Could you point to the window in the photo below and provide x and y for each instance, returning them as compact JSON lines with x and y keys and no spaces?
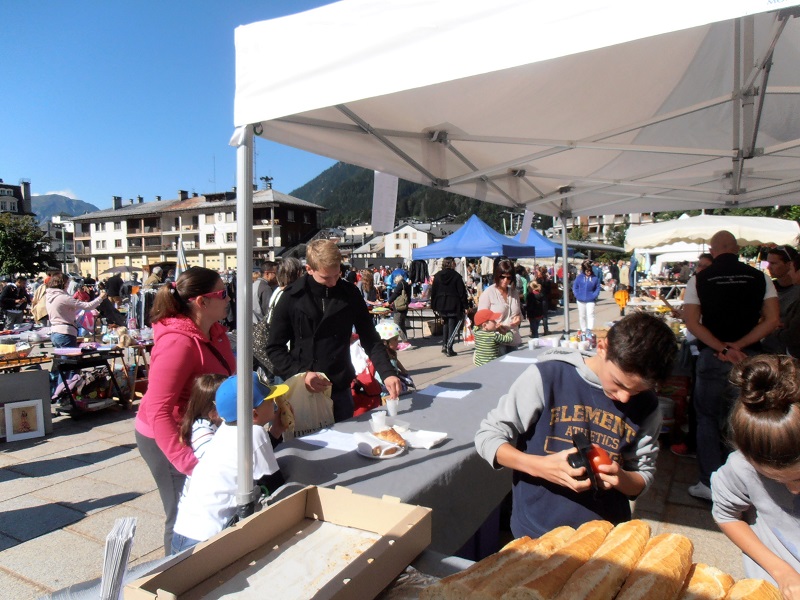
{"x":117,"y":225}
{"x":397,"y":246}
{"x":230,"y":237}
{"x":100,"y":244}
{"x":306,"y":218}
{"x":230,"y":217}
{"x":210,"y":236}
{"x":208,"y":219}
{"x":3,"y":205}
{"x":117,"y":243}
{"x":290,"y":216}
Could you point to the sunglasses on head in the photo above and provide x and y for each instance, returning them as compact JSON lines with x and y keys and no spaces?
{"x":219,"y":295}
{"x":785,"y":252}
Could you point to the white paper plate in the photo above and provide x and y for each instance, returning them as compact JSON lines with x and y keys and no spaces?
{"x":365,"y":442}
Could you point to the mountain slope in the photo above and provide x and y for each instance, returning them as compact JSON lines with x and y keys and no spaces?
{"x":47,"y":205}
{"x":346,"y":191}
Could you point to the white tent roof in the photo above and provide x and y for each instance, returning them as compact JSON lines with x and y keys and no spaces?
{"x":699,"y":229}
{"x":588,"y":107}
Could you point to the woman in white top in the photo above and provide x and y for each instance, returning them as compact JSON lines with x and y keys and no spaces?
{"x":503,"y":297}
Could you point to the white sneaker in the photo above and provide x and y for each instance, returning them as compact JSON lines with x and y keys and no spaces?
{"x":700,"y":490}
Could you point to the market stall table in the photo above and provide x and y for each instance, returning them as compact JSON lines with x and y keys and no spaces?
{"x":461,"y":488}
{"x":77,"y":361}
{"x":673,"y":288}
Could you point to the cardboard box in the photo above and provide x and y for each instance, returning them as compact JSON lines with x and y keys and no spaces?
{"x":432,"y":327}
{"x":404,"y":532}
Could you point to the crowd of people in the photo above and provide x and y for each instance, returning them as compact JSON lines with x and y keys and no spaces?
{"x":745,"y":323}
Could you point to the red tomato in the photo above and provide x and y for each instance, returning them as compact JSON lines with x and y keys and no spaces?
{"x":598,"y":457}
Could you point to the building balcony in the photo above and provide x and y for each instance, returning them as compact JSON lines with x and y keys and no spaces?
{"x":262,"y":223}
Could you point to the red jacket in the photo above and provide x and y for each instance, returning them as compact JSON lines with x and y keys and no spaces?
{"x":180,"y":354}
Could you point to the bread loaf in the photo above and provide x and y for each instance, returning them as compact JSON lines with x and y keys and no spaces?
{"x":705,"y":583}
{"x":550,"y":575}
{"x":461,"y":585}
{"x":604,"y":573}
{"x":661,"y":570}
{"x":754,"y":589}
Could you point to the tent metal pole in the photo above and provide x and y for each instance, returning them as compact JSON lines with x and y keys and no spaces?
{"x":244,"y":320}
{"x":565,"y":214}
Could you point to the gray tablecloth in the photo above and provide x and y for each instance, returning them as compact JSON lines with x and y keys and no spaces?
{"x":460,"y":487}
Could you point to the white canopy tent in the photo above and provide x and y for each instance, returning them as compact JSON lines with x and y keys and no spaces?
{"x":747,"y":230}
{"x":587,"y":107}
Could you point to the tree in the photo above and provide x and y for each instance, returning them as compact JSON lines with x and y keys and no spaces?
{"x":23,"y":246}
{"x":578,"y":233}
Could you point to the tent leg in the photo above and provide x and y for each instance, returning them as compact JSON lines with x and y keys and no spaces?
{"x":564,"y":216}
{"x":244,"y":320}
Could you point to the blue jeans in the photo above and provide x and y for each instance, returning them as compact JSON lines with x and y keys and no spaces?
{"x":181,"y":543}
{"x":713,"y":399}
{"x":63,"y":340}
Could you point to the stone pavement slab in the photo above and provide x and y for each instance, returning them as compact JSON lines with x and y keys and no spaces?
{"x":15,"y":587}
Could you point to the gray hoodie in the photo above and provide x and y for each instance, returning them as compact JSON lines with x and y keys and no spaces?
{"x":569,"y":396}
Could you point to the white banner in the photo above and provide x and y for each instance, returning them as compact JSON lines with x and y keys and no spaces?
{"x":384,"y":202}
{"x":526,"y":226}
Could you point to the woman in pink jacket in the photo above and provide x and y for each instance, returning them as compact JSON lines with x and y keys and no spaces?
{"x":189,"y":341}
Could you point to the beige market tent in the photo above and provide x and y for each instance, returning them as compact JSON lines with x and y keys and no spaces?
{"x":564,"y":108}
{"x":699,"y":229}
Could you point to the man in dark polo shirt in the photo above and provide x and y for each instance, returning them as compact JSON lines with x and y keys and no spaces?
{"x":723,"y":307}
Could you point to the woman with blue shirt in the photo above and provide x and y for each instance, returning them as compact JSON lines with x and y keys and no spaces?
{"x":586,"y":289}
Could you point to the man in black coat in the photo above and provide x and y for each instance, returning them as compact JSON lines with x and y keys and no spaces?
{"x":315,"y":315}
{"x":449,"y":299}
{"x":13,"y":300}
{"x":114,"y":289}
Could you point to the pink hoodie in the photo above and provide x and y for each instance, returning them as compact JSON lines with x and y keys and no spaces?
{"x":181,"y":353}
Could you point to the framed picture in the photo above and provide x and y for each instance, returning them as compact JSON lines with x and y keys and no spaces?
{"x":24,"y":420}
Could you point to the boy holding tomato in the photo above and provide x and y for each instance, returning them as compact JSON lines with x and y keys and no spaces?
{"x":608,"y":398}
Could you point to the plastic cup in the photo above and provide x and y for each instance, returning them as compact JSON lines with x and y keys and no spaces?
{"x":392,"y":406}
{"x":379,"y":419}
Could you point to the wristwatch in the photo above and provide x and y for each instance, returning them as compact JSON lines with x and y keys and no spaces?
{"x":724,"y":351}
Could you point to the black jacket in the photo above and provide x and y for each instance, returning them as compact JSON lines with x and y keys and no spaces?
{"x":9,"y":296}
{"x":322,"y":342}
{"x":114,"y":285}
{"x":448,"y":293}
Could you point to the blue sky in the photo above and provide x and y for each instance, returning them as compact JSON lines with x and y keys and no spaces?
{"x":105,"y":99}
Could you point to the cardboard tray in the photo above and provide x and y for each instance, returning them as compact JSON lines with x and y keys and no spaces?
{"x":405,"y":532}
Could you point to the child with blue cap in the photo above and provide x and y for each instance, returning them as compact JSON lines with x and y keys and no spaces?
{"x":210,"y":501}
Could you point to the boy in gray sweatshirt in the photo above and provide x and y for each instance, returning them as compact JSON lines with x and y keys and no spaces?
{"x":606,"y":397}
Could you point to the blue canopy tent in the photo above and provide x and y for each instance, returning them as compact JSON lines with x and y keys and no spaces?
{"x":545,"y":248}
{"x":475,"y":238}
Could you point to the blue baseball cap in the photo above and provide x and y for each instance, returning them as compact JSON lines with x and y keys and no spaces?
{"x":225,"y":398}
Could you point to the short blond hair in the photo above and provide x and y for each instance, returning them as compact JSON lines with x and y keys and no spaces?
{"x":323,"y":254}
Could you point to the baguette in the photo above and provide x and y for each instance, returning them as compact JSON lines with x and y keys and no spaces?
{"x":460,"y":585}
{"x":661,"y":570}
{"x":551,"y":575}
{"x":602,"y":576}
{"x":706,"y":583}
{"x":753,"y":589}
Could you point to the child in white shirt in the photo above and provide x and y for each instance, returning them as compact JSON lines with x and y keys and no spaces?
{"x":210,"y":501}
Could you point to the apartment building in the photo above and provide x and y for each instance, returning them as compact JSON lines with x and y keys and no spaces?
{"x":139,"y":234}
{"x":16,"y":199}
{"x":598,"y":226}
